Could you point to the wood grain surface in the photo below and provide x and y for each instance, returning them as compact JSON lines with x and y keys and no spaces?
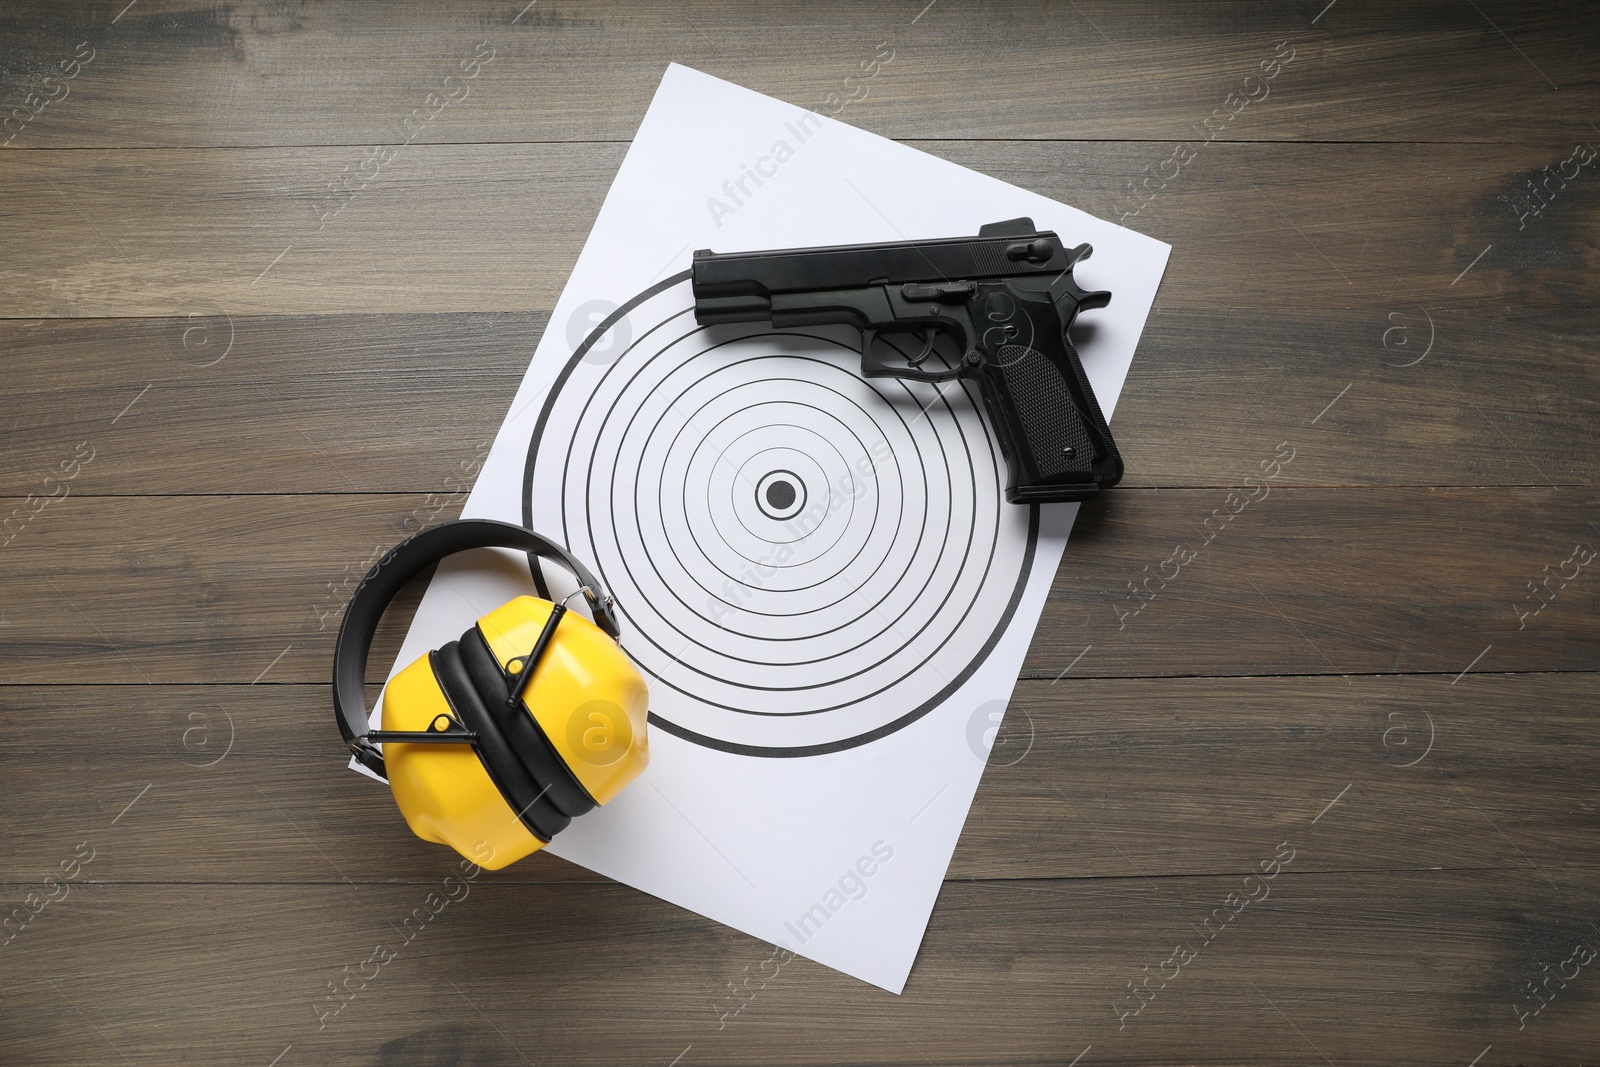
{"x":1362,"y":668}
{"x":494,"y":227}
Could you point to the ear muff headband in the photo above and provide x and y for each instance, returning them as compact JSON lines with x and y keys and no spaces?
{"x":404,"y":562}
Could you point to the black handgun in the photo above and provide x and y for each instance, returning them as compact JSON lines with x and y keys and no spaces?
{"x":1006,"y":297}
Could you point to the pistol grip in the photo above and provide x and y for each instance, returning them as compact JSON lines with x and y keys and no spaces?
{"x":1056,"y":442}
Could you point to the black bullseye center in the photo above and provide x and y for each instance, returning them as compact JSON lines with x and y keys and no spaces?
{"x":780,"y":494}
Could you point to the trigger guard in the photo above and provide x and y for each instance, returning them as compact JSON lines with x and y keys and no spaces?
{"x":874,"y":367}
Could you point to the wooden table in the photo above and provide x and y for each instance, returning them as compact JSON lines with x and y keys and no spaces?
{"x":245,"y":351}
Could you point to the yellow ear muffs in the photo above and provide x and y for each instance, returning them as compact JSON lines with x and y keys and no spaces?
{"x":494,"y":743}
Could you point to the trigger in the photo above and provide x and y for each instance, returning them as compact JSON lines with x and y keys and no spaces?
{"x":928,"y":337}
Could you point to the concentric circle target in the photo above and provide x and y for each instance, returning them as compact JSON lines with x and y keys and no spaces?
{"x":804,"y":560}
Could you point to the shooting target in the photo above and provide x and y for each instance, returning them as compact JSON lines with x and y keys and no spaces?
{"x":804,"y":560}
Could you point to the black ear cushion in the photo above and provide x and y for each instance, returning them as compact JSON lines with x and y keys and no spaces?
{"x":538,"y":813}
{"x":544,"y":765}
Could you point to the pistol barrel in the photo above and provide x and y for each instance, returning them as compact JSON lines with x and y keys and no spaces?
{"x":741,"y":307}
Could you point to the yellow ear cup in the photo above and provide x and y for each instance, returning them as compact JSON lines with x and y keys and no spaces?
{"x":443,"y":791}
{"x":586,"y":694}
{"x":586,"y":697}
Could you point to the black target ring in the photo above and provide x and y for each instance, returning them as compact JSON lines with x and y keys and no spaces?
{"x":978,"y":551}
{"x":780,"y":494}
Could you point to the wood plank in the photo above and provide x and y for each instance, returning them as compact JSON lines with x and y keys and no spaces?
{"x":1091,"y":778}
{"x":497,"y":227}
{"x":111,"y":238}
{"x":216,"y":404}
{"x":409,"y":403}
{"x":1302,"y":581}
{"x":1318,"y":581}
{"x":1388,"y":396}
{"x":570,"y":71}
{"x":1098,"y":777}
{"x":1426,"y":966}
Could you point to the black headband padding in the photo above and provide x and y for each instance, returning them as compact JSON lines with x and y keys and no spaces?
{"x":404,"y":562}
{"x":527,"y":738}
{"x":527,"y":798}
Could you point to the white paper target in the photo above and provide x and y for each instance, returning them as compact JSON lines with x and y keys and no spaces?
{"x":804,"y":560}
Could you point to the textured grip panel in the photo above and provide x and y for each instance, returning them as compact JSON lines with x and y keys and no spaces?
{"x":1047,"y":416}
